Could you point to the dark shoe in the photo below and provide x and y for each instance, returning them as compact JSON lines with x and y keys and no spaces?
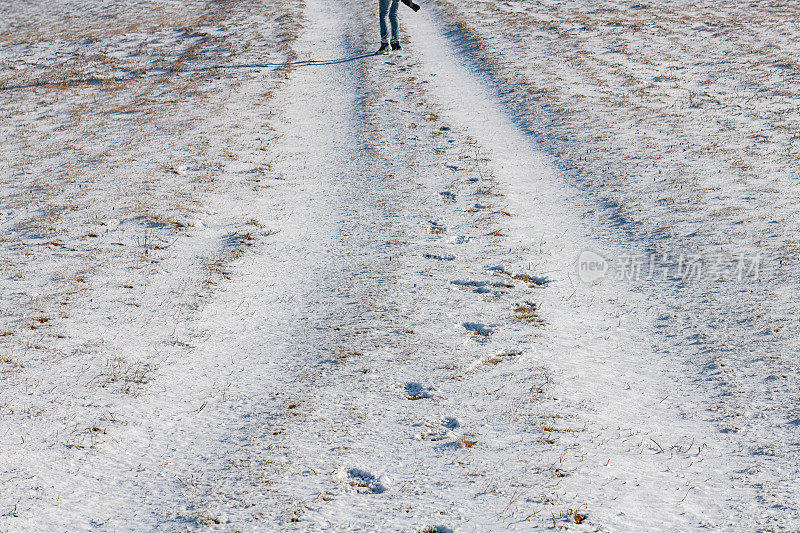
{"x":396,"y":45}
{"x":384,"y":49}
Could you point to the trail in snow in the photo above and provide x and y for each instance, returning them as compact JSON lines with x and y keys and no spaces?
{"x":602,"y":351}
{"x":410,"y":346}
{"x":699,"y":181}
{"x":122,"y":219}
{"x":400,"y":390}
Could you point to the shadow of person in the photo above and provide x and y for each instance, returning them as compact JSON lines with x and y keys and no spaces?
{"x":99,"y":81}
{"x":293,"y":64}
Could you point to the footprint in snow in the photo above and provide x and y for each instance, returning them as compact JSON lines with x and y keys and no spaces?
{"x":415,"y":391}
{"x":532,"y":281}
{"x":451,"y":423}
{"x":362,"y":481}
{"x":436,"y":257}
{"x":481,"y":287}
{"x":479,"y":329}
{"x":461,"y":443}
{"x":435,"y":529}
{"x":437,"y":227}
{"x":492,"y":360}
{"x":448,"y":196}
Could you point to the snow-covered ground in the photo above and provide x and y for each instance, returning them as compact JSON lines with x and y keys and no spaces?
{"x":256,"y":278}
{"x":681,"y":118}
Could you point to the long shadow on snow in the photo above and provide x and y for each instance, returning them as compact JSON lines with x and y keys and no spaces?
{"x":101,"y":81}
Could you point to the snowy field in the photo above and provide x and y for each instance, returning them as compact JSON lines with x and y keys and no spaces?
{"x":539,"y":270}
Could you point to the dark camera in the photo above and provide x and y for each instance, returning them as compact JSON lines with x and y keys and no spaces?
{"x":411,"y":4}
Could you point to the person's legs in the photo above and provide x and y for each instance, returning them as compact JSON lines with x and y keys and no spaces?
{"x":383,"y":10}
{"x":393,"y":21}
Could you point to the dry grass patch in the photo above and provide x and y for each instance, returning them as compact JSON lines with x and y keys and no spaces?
{"x":528,"y":313}
{"x":466,"y":443}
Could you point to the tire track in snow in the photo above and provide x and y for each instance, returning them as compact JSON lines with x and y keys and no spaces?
{"x":600,"y":349}
{"x":735,"y":335}
{"x":392,"y":428}
{"x":97,"y":451}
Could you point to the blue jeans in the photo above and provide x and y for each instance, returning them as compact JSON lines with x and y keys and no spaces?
{"x":389,"y":7}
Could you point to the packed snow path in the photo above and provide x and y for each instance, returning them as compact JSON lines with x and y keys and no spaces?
{"x":410,"y":347}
